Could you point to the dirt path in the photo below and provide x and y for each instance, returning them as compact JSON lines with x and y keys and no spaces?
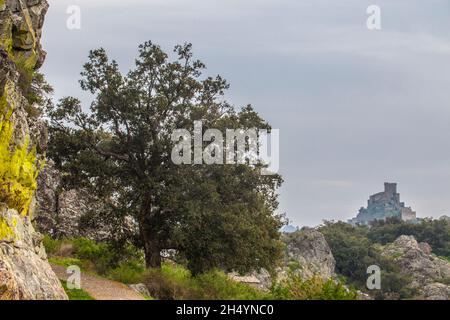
{"x":99,"y":288}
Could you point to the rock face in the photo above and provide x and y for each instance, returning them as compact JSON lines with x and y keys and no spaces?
{"x":73,"y":213}
{"x":383,"y":205}
{"x":24,"y":269}
{"x":309,"y":250}
{"x":428,"y":272}
{"x":60,"y":212}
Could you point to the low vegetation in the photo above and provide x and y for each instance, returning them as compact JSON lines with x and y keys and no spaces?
{"x":175,"y":282}
{"x":316,"y":288}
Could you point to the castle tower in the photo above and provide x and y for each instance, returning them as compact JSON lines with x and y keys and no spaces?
{"x":390,"y":188}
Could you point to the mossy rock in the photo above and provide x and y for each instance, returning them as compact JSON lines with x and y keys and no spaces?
{"x":22,"y":37}
{"x":6,"y":41}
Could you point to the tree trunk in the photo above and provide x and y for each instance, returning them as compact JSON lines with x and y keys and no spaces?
{"x":152,"y":253}
{"x":152,"y":246}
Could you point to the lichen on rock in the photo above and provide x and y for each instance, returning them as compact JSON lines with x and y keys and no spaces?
{"x":18,"y":167}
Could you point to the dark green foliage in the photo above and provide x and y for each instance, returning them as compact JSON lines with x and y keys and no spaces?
{"x":434,"y":232}
{"x":350,"y":248}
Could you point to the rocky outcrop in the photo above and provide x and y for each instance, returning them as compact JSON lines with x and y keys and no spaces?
{"x":306,"y":251}
{"x":309,"y":250}
{"x":141,"y":289}
{"x":24,"y":270}
{"x":429,"y":273}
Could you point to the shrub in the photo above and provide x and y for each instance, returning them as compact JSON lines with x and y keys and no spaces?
{"x":216,"y":285}
{"x":98,"y":253}
{"x":51,"y":245}
{"x":316,"y":288}
{"x":127,"y":272}
{"x":174,"y":282}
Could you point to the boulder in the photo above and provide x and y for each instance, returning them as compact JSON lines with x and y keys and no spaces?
{"x":141,"y":289}
{"x":436,"y":291}
{"x":306,"y":250}
{"x":309,"y":250}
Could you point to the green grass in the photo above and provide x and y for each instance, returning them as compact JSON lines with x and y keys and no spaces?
{"x":76,"y":294}
{"x":129,"y":272}
{"x":174,"y":282}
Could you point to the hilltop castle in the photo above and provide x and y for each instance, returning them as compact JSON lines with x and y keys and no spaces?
{"x":383,"y":205}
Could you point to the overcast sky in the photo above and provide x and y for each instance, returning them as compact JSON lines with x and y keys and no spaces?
{"x":355,"y":108}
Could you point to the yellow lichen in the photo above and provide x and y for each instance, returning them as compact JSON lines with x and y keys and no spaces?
{"x":18,"y":166}
{"x":5,"y":230}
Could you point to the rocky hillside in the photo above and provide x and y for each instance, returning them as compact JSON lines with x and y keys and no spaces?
{"x":430,"y":274}
{"x":24,"y":270}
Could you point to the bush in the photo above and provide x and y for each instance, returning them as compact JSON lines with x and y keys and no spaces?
{"x":216,"y":285}
{"x":129,"y":272}
{"x":316,"y":288}
{"x":51,"y":245}
{"x":174,"y":282}
{"x":98,"y":253}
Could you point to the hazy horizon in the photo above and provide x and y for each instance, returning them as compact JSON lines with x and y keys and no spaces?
{"x":355,"y":108}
